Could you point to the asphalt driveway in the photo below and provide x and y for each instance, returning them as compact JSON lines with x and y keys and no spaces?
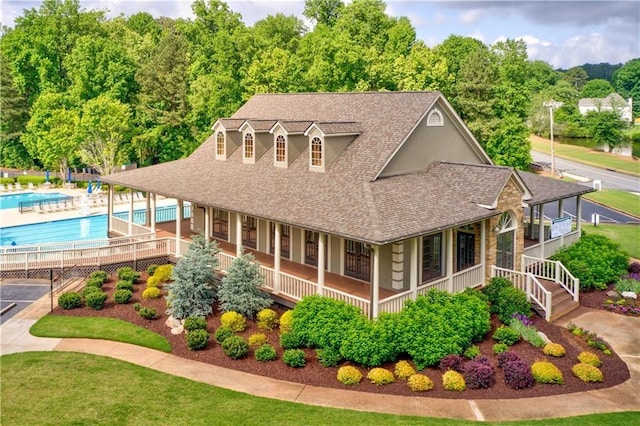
{"x":22,"y":293}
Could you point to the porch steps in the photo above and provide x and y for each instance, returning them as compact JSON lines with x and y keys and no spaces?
{"x":561,"y":302}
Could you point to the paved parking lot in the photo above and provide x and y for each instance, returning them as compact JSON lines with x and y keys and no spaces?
{"x":22,"y":293}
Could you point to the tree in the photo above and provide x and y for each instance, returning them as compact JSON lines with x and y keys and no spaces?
{"x":626,"y":81}
{"x":576,"y":76}
{"x":279,"y":31}
{"x":325,"y":12}
{"x":193,"y":290}
{"x":14,"y":114}
{"x":273,"y":71}
{"x":422,"y":69}
{"x":508,"y":145}
{"x":240,"y":291}
{"x":597,"y":88}
{"x":606,"y":127}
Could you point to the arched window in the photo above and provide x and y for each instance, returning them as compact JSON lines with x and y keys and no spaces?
{"x":316,"y":152}
{"x":281,"y":149}
{"x":220,"y":144}
{"x":435,"y":119}
{"x":506,"y":241}
{"x":248,"y":146}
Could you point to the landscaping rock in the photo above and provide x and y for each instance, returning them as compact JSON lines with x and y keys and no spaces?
{"x":177,"y":330}
{"x":544,"y":337}
{"x":629,"y":295}
{"x":173,"y":322}
{"x":612,"y":294}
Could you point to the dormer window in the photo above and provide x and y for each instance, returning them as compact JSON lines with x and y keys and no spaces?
{"x":281,"y":150}
{"x":317,"y":159}
{"x":249,"y":148}
{"x":435,"y":119}
{"x":220,"y":145}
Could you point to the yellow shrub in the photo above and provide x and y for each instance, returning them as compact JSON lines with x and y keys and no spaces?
{"x":589,"y":358}
{"x":153,"y":282}
{"x":587,"y":372}
{"x":380,"y":376}
{"x":420,"y":383}
{"x":452,"y":380}
{"x":403,"y":370}
{"x":234,"y":321}
{"x":546,"y":372}
{"x":163,"y":273}
{"x":257,"y":339}
{"x":286,"y":322}
{"x":151,"y":293}
{"x":349,"y":375}
{"x":554,"y":349}
{"x":267,"y":319}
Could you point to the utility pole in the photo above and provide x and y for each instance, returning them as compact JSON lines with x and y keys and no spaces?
{"x":552,"y":104}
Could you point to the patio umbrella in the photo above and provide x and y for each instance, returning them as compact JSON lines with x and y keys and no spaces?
{"x":69,"y":174}
{"x":46,"y":176}
{"x":89,"y":189}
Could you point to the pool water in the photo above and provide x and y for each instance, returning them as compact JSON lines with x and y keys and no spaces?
{"x":12,"y":201}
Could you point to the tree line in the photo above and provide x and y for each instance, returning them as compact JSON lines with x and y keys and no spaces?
{"x":78,"y":89}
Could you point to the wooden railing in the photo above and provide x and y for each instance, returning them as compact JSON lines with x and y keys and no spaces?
{"x":528,"y":283}
{"x":552,"y":270}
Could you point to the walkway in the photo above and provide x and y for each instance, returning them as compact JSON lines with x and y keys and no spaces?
{"x":622,"y":333}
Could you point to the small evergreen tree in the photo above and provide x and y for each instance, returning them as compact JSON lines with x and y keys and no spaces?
{"x":239,"y":290}
{"x":193,"y":290}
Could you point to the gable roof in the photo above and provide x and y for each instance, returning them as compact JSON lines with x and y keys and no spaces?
{"x":545,"y":189}
{"x":608,"y":101}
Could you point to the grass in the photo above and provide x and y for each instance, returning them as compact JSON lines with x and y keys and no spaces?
{"x":47,"y":388}
{"x":627,"y":235}
{"x":588,"y":156}
{"x":620,"y":200}
{"x":99,"y":328}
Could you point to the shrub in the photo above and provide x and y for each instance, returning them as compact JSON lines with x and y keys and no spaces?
{"x":294,"y":358}
{"x":95,"y":300}
{"x":222,"y":334}
{"x":472,"y":352}
{"x":151,"y":293}
{"x":239,"y":290}
{"x":328,"y":357}
{"x":286,"y":322}
{"x":69,"y":300}
{"x":589,"y":358}
{"x":554,"y":349}
{"x":478,"y":374}
{"x":452,"y":362}
{"x":197,"y":339}
{"x":419,"y":383}
{"x":508,"y":356}
{"x":492,"y":289}
{"x":546,"y":372}
{"x":136,"y":307}
{"x":634,"y":268}
{"x":506,"y":335}
{"x":265,"y":353}
{"x":257,"y":339}
{"x":127,"y":273}
{"x":91,"y":289}
{"x":153,"y":282}
{"x":349,"y":375}
{"x":517,"y":375}
{"x":291,"y":340}
{"x":234,"y":321}
{"x":499,"y":348}
{"x":403,"y":370}
{"x":587,"y":372}
{"x":511,"y":301}
{"x":122,"y":296}
{"x":151,"y":269}
{"x":453,"y":381}
{"x":267,"y":319}
{"x":148,"y":313}
{"x":367,"y":342}
{"x":528,"y":333}
{"x":195,"y":323}
{"x":235,"y":347}
{"x":124,"y":285}
{"x":628,"y":284}
{"x":94,"y":282}
{"x":163,"y":273}
{"x":100,"y":275}
{"x":380,"y":376}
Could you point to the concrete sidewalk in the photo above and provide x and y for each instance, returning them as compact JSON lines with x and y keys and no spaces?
{"x":622,"y":333}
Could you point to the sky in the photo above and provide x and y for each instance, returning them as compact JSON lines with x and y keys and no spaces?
{"x":562,"y":33}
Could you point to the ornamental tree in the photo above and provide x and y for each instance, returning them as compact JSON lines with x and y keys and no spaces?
{"x":240,"y":291}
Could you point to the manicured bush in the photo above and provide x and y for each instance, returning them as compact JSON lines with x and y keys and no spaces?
{"x":151,"y":293}
{"x":380,"y":376}
{"x":197,"y":339}
{"x":265,"y":353}
{"x":148,"y":313}
{"x":94,"y":282}
{"x":506,"y":335}
{"x":195,"y":323}
{"x":127,"y":273}
{"x":517,"y":374}
{"x":100,"y":275}
{"x":367,"y":342}
{"x":492,"y":290}
{"x":240,"y":289}
{"x":452,"y":362}
{"x":91,"y":289}
{"x":222,"y":334}
{"x":587,"y":372}
{"x":286,"y":322}
{"x":122,"y":296}
{"x":546,"y":372}
{"x":595,"y":260}
{"x":589,"y":358}
{"x":70,"y":300}
{"x":471,"y":352}
{"x":499,"y":348}
{"x":349,"y":375}
{"x":234,"y":321}
{"x":153,"y":282}
{"x":328,"y":357}
{"x":554,"y":349}
{"x":257,"y":339}
{"x":235,"y":347}
{"x":528,"y":333}
{"x":124,"y":285}
{"x":294,"y":358}
{"x":267,"y":319}
{"x":291,"y":340}
{"x":95,"y":300}
{"x":403,"y":370}
{"x":136,"y":307}
{"x":163,"y":273}
{"x":511,"y":301}
{"x":151,"y":269}
{"x":508,"y":356}
{"x":478,"y":374}
{"x":453,"y":381}
{"x":420,"y":383}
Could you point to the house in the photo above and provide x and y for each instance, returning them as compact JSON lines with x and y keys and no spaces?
{"x":613,"y":102}
{"x":370,"y":198}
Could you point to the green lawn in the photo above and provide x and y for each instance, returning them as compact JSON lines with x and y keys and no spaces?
{"x":51,"y":388}
{"x":620,"y":200}
{"x":628,"y":236}
{"x":99,"y":328}
{"x":588,"y":156}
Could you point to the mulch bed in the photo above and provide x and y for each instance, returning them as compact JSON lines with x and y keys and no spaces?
{"x":614,"y":369}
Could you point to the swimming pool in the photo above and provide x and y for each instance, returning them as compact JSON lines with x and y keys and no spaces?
{"x":12,"y":201}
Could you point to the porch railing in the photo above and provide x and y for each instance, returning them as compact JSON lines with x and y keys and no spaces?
{"x":552,"y":270}
{"x":528,"y":283}
{"x":359,"y":302}
{"x":468,"y":278}
{"x":552,"y":246}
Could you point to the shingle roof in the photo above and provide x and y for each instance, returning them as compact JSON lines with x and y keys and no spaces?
{"x":545,"y":189}
{"x":261,"y":125}
{"x":337,"y":128}
{"x":231,"y":124}
{"x":608,"y":101}
{"x":293,"y":127}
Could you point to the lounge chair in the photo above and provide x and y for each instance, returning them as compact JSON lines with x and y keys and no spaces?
{"x":3,"y":188}
{"x":38,"y":208}
{"x":18,"y":186}
{"x":10,"y":187}
{"x":30,"y":186}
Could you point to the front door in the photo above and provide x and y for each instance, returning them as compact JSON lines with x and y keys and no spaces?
{"x":357,"y":261}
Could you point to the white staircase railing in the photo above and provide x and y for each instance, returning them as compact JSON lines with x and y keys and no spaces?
{"x":528,"y":283}
{"x":552,"y":270}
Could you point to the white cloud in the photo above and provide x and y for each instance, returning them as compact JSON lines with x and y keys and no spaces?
{"x":470,"y":16}
{"x":440,"y":18}
{"x":478,"y":36}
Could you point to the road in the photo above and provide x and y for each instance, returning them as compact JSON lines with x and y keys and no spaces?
{"x":610,"y":180}
{"x":607,"y":215}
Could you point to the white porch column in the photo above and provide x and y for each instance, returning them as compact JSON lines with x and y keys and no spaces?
{"x":375,"y":281}
{"x":276,"y":258}
{"x":179,"y":211}
{"x":153,"y":208}
{"x":321,"y":262}
{"x":579,"y":213}
{"x":130,"y":228}
{"x":541,"y":229}
{"x":449,"y":259}
{"x":207,"y":222}
{"x":483,"y":247}
{"x":413,"y":267}
{"x":109,"y":209}
{"x":532,"y":216}
{"x":238,"y":234}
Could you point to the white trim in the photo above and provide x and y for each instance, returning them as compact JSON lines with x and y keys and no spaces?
{"x":245,"y":159}
{"x":222,"y":156}
{"x":431,"y":121}
{"x":277,"y":163}
{"x":313,"y":167}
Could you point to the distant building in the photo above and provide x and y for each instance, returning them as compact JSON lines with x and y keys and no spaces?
{"x":613,"y":102}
